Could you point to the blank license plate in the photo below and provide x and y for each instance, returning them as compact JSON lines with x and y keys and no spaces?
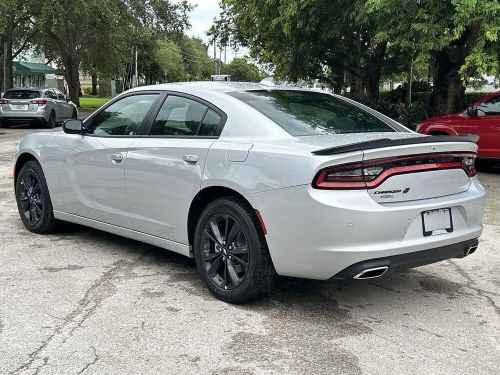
{"x":436,"y":222}
{"x":20,"y":107}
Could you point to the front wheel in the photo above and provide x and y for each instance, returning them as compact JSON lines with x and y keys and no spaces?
{"x":231,"y":252}
{"x":33,"y":199}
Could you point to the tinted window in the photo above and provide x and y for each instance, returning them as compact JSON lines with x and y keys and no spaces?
{"x":60,"y":95}
{"x":50,"y":94}
{"x":309,"y":113}
{"x":122,"y":117}
{"x":490,"y":107}
{"x":178,"y":116}
{"x":210,"y":124}
{"x":21,"y":94}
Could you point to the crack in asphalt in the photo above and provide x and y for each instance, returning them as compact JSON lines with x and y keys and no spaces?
{"x":93,"y":362}
{"x":480,"y":292}
{"x":99,"y":291}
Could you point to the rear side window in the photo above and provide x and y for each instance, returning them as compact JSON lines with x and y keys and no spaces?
{"x":22,"y":94}
{"x":303,"y":113}
{"x":210,"y":124}
{"x":178,"y":116}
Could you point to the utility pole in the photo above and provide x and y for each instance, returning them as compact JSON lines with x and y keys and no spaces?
{"x":4,"y":83}
{"x":215,"y":56}
{"x":136,"y":74}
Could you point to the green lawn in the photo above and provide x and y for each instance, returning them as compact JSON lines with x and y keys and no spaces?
{"x":87,"y":102}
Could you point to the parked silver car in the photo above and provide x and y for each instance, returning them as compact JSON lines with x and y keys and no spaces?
{"x":252,"y":181}
{"x":36,"y":106}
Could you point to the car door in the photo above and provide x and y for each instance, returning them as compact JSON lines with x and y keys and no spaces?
{"x":65,"y":109}
{"x":164,"y":169}
{"x":92,"y":165}
{"x":487,"y":120}
{"x":52,"y":99}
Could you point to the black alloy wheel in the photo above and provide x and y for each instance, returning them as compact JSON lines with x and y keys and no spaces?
{"x":231,"y":251}
{"x":225,"y":252}
{"x":33,"y":199}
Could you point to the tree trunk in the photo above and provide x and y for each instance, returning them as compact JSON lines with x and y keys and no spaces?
{"x":94,"y":84}
{"x":448,"y":87}
{"x":449,"y":90}
{"x":71,"y":67}
{"x":375,"y":70}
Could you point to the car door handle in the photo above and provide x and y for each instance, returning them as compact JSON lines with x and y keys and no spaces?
{"x":116,"y":158}
{"x":190,"y":158}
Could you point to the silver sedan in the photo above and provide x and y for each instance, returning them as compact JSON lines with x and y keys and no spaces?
{"x":41,"y":106}
{"x":255,"y":181}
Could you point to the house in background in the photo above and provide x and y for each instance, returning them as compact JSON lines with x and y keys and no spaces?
{"x":32,"y":71}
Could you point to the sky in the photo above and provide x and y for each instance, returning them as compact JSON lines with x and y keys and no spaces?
{"x":201,"y":19}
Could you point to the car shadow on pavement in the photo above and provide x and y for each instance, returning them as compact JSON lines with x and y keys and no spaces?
{"x":488,"y":166}
{"x":300,"y":297}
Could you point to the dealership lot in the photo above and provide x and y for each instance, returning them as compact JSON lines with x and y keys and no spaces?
{"x":84,"y":301}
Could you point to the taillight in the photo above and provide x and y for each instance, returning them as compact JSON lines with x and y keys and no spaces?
{"x":371,"y":173}
{"x":40,"y":102}
{"x":4,"y":101}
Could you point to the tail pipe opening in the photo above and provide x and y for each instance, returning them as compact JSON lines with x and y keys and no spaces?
{"x":371,"y":273}
{"x":471,"y":250}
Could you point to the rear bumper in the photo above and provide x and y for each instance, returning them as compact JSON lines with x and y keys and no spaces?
{"x":319,"y":233}
{"x":23,"y":116}
{"x":410,"y":260}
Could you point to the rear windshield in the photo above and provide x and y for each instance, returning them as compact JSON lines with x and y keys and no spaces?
{"x":309,"y":113}
{"x":22,"y":94}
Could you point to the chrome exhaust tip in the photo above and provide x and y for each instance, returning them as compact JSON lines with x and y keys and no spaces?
{"x":471,"y":250}
{"x":371,"y":273}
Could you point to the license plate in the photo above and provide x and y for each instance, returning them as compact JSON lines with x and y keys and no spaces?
{"x":20,"y":107}
{"x":435,"y":222}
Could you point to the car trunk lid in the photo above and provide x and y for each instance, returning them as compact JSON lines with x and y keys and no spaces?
{"x":405,"y":169}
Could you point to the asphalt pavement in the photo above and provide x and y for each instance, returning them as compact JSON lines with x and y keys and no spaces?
{"x":81,"y":301}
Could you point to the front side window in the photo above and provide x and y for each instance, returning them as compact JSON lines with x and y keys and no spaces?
{"x":122,"y":117}
{"x":490,"y":107}
{"x":178,"y":116}
{"x":303,"y":113}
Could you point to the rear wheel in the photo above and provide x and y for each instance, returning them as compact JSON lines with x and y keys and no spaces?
{"x":33,"y":199}
{"x":74,"y":115}
{"x":231,"y":253}
{"x":51,"y":123}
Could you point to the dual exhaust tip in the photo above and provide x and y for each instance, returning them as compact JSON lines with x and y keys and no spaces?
{"x":371,"y":273}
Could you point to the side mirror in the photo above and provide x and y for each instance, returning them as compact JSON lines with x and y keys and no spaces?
{"x":73,"y":126}
{"x":471,"y":111}
{"x":66,"y":97}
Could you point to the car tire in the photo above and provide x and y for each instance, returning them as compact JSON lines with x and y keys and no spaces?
{"x":74,"y":115}
{"x":51,"y":123}
{"x":223,"y":267}
{"x":33,"y":199}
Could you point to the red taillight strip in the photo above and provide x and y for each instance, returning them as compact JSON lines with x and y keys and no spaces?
{"x":362,"y":182}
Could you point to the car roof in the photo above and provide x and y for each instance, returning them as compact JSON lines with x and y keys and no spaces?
{"x":26,"y":89}
{"x":216,"y":87}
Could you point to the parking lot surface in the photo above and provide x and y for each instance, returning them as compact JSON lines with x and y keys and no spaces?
{"x":81,"y":301}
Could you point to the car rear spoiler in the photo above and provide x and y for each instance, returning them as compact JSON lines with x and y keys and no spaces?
{"x":386,"y":142}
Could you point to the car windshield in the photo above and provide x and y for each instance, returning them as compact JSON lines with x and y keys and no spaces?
{"x":303,"y":113}
{"x":22,"y":94}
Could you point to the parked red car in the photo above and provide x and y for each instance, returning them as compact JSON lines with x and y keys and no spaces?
{"x":482,"y":119}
